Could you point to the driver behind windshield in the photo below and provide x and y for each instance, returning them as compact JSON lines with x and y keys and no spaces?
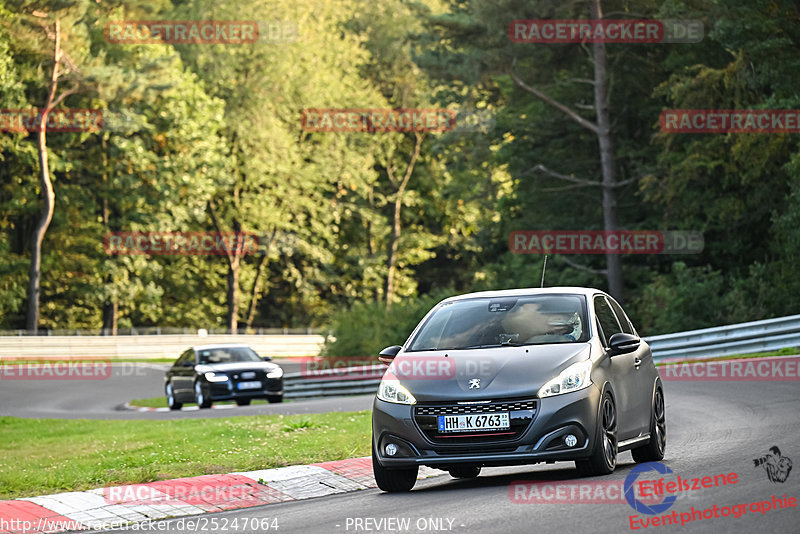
{"x":527,"y":323}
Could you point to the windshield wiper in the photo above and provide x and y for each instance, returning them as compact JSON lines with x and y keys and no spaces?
{"x":507,"y":343}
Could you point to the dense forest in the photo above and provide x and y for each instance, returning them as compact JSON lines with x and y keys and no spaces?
{"x":363,"y":230}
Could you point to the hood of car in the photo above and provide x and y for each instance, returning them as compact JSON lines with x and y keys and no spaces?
{"x":235,"y":367}
{"x":481,"y":374}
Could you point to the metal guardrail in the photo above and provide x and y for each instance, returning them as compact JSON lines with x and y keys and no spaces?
{"x":357,"y":380}
{"x":151,"y":347}
{"x":165,"y":331}
{"x":742,"y":338}
{"x":754,"y":336}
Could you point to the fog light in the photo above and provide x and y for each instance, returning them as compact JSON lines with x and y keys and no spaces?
{"x":570,"y":440}
{"x":391,"y":449}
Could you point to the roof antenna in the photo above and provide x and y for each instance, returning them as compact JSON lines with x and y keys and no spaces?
{"x":544,"y":267}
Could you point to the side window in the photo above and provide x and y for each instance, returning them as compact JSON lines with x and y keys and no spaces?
{"x":624,"y":322}
{"x":186,"y":356}
{"x":608,"y":322}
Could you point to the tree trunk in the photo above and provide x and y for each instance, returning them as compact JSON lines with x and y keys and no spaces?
{"x":602,"y":129}
{"x":49,"y":197}
{"x":233,"y":294}
{"x":256,"y":290}
{"x":607,"y":164}
{"x":110,"y":314}
{"x":111,"y":306}
{"x":391,"y":260}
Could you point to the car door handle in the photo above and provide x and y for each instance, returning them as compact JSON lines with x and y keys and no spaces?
{"x":637,"y":362}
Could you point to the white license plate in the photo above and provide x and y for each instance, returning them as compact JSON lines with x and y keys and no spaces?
{"x":478,"y":421}
{"x":249,"y":385}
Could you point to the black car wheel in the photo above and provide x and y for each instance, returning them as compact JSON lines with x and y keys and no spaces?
{"x":654,"y":450}
{"x":242,"y":402}
{"x":171,"y":402}
{"x":393,"y":480}
{"x":275,"y":398}
{"x":465,"y":471}
{"x":201,"y":396}
{"x":604,"y":455}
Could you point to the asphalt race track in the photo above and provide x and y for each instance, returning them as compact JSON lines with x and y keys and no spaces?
{"x":713,"y":428}
{"x":103,"y":399}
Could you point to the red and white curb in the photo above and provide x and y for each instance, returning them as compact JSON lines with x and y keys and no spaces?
{"x":131,"y":408}
{"x":116,"y":506}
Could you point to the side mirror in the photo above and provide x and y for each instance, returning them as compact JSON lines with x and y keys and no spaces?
{"x":621,"y":343}
{"x":387,"y":355}
{"x":266,"y":358}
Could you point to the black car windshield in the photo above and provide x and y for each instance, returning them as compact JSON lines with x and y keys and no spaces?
{"x":227,"y":355}
{"x":495,"y":322}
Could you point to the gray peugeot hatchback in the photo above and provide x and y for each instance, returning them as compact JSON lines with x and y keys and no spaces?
{"x":517,"y":377}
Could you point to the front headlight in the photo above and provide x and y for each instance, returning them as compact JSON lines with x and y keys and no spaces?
{"x":573,"y":378}
{"x":392,"y":391}
{"x":275,"y":373}
{"x":213,"y":377}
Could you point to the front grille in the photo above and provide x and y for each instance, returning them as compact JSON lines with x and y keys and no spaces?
{"x":521,"y":414}
{"x":465,"y":409}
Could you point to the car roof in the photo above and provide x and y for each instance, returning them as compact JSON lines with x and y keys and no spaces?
{"x":586,"y":291}
{"x":221,"y":346}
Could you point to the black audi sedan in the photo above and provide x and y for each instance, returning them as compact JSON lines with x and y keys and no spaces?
{"x":209,"y":373}
{"x":517,"y":377}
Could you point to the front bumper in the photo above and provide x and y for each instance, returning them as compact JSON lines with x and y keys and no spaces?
{"x":543,"y":440}
{"x":271,"y":387}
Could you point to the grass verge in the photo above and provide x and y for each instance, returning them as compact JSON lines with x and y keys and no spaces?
{"x":42,"y":456}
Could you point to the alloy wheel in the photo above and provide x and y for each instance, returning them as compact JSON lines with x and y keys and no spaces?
{"x":609,"y":432}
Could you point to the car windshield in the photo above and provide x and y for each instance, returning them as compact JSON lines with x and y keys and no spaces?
{"x":227,"y":355}
{"x":496,"y":322}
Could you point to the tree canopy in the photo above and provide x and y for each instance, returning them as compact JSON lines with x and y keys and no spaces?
{"x":208,"y":137}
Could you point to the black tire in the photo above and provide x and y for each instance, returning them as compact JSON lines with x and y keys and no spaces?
{"x":604,"y":454}
{"x":243,"y":402}
{"x":393,"y":480}
{"x":465,"y":471}
{"x":275,"y":398}
{"x":201,"y":396}
{"x":654,"y":450}
{"x":171,"y":403}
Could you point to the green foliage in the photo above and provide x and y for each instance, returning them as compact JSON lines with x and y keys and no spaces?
{"x":368,"y":327}
{"x":220,"y":124}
